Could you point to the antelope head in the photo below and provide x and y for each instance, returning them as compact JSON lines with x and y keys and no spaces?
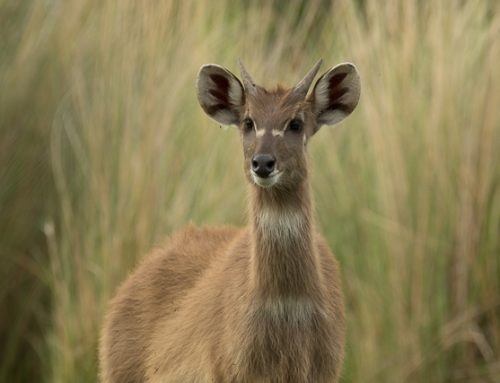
{"x":275,"y":126}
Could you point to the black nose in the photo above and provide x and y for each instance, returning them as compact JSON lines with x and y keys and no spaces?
{"x":263,"y":164}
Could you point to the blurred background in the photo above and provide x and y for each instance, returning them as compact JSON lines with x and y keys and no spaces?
{"x":104,"y":150}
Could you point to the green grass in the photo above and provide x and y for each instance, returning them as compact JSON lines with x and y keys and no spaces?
{"x":104,"y":150}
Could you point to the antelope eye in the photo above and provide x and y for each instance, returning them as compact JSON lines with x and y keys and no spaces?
{"x":295,"y":125}
{"x":247,"y":124}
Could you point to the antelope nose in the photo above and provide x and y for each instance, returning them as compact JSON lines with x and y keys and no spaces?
{"x":263,"y":165}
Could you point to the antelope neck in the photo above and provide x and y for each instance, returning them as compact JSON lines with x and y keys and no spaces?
{"x":284,"y":261}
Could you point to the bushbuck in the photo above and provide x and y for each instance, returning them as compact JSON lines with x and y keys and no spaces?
{"x":256,"y":304}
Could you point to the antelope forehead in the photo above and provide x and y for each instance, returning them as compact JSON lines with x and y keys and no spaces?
{"x":279,"y":125}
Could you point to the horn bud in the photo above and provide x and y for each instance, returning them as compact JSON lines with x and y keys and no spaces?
{"x":248,"y":83}
{"x":302,"y":87}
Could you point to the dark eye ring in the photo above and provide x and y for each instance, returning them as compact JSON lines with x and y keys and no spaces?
{"x":295,"y":125}
{"x":248,"y":124}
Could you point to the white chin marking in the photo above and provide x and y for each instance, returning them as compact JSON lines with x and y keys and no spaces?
{"x":266,"y":182}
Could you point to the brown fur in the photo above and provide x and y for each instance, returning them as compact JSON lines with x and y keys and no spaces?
{"x":258,"y":304}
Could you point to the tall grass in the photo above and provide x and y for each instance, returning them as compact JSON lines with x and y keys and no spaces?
{"x":104,"y":150}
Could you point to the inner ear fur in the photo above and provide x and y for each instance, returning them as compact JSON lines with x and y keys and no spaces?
{"x":336,"y":94}
{"x":220,"y":94}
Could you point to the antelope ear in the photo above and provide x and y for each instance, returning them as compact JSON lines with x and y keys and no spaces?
{"x":220,"y":94}
{"x":336,"y":94}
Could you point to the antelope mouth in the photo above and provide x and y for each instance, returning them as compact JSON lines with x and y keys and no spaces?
{"x":266,"y":182}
